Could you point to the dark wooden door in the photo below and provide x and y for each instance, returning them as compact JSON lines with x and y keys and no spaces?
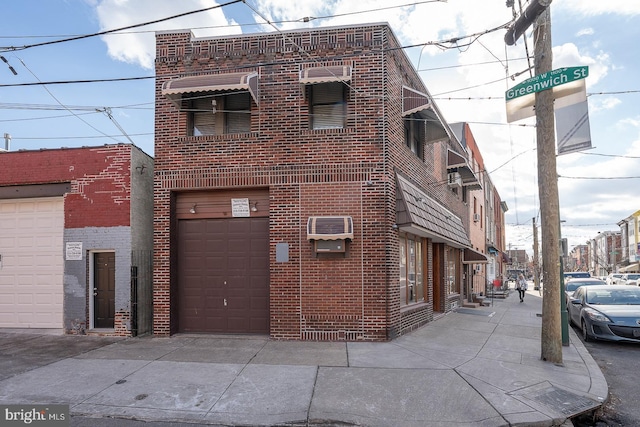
{"x":223,"y":275}
{"x":104,"y":292}
{"x":438,"y":277}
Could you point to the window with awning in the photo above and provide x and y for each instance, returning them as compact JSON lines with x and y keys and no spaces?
{"x":184,"y":88}
{"x":327,"y":95}
{"x":217,"y":104}
{"x":458,"y":163}
{"x":417,"y":106}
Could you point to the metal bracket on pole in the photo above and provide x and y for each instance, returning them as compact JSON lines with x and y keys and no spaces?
{"x":528,"y":17}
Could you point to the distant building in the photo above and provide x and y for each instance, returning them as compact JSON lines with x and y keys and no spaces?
{"x":518,"y":263}
{"x":630,"y":243}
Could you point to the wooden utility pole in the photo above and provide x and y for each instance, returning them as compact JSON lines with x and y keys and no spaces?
{"x":536,"y":264}
{"x":551,"y":339}
{"x":538,"y":12}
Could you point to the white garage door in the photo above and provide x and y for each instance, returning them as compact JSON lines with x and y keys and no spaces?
{"x":31,"y":267}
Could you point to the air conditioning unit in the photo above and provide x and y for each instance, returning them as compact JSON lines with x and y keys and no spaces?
{"x":454,"y":180}
{"x":476,"y":217}
{"x":328,"y":246}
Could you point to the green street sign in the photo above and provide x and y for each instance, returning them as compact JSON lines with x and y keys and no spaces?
{"x":547,"y":80}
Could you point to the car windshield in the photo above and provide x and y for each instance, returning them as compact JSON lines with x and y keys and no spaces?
{"x":629,"y":296}
{"x":633,"y":276}
{"x":575,"y":284}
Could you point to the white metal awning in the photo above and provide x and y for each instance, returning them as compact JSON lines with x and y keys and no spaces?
{"x":329,"y":228}
{"x":229,"y":82}
{"x":335,"y":73}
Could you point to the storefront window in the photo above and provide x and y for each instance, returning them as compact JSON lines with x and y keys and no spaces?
{"x":453,"y":285}
{"x":411,"y":271}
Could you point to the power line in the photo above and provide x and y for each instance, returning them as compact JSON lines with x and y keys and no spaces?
{"x":598,"y":177}
{"x":101,"y":33}
{"x":61,"y":82}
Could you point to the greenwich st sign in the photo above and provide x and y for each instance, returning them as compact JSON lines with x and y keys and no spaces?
{"x":546,"y":81}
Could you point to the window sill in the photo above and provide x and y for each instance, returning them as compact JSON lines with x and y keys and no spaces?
{"x":325,"y":131}
{"x":225,"y":136}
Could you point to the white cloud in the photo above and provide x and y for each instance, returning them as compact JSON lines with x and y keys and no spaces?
{"x":139,"y":47}
{"x":598,"y":104}
{"x":585,"y":32}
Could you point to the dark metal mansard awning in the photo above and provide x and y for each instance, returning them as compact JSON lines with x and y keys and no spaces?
{"x":229,"y":82}
{"x":423,"y":216}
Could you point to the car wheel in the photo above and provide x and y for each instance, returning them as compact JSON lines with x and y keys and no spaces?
{"x":585,"y":332}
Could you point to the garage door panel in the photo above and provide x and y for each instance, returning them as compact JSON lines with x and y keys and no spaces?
{"x":32,"y":233}
{"x":222,"y":252}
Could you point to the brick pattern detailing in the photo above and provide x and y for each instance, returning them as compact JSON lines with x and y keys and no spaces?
{"x":415,"y":317}
{"x":100,"y":180}
{"x":349,"y":171}
{"x":265,"y":176}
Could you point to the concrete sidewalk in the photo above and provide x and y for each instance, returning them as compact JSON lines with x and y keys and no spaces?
{"x":474,"y":367}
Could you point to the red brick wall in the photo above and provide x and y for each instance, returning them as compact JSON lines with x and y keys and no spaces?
{"x":100,"y":180}
{"x":348,"y":171}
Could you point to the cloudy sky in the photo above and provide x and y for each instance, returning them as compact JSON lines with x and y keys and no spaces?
{"x":468,"y":80}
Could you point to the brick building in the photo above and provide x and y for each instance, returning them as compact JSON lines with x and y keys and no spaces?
{"x":306,"y":187}
{"x":76,"y":228}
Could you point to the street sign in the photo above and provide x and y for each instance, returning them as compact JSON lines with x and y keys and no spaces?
{"x":547,"y":80}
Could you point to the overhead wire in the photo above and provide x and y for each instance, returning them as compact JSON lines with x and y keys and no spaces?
{"x":115,"y":30}
{"x":59,"y":102}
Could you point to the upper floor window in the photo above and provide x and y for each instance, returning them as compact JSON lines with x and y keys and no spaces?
{"x":414,"y":134}
{"x":327,"y":105}
{"x":218,"y":115}
{"x":216,"y":104}
{"x":327,"y":94}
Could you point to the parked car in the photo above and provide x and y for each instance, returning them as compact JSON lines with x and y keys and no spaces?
{"x":632,"y":279}
{"x":574,"y":274}
{"x":606,"y":312}
{"x":613,"y":278}
{"x":572,"y":285}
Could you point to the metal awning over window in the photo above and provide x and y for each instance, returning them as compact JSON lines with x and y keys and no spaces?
{"x":230,"y":82}
{"x":419,"y":214}
{"x":414,"y":101}
{"x":471,"y":256}
{"x":420,"y":105}
{"x":335,"y":73}
{"x":457,"y":163}
{"x":329,"y":228}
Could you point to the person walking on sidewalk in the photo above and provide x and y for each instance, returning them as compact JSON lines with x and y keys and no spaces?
{"x":521,"y":286}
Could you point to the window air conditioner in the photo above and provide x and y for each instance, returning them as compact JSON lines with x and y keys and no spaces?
{"x":454,"y":180}
{"x":476,"y":217}
{"x":321,"y":246}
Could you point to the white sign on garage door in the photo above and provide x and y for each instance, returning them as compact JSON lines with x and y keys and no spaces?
{"x":31,"y":274}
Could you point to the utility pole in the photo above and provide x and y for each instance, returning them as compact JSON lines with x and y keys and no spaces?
{"x":536,"y":267}
{"x":548,"y":193}
{"x":551,"y":337}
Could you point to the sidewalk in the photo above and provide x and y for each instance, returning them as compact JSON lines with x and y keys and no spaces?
{"x":474,"y":367}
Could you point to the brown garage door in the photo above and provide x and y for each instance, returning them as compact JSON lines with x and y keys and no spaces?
{"x":223,"y":275}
